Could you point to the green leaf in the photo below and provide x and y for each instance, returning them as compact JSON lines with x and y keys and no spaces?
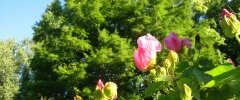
{"x":198,"y":74}
{"x":210,"y":84}
{"x":153,"y":88}
{"x":220,"y":69}
{"x":201,"y":77}
{"x":222,"y":75}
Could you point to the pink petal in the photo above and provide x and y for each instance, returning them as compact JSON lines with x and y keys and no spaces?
{"x":149,"y":42}
{"x":187,"y":42}
{"x":145,"y":53}
{"x":226,"y":13}
{"x":230,"y":61}
{"x":154,"y":42}
{"x":141,"y":41}
{"x":172,"y":42}
{"x":100,"y":84}
{"x":143,"y":58}
{"x":177,"y":42}
{"x":148,"y":45}
{"x":138,"y":61}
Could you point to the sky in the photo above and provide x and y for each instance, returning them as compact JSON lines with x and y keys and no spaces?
{"x":17,"y":17}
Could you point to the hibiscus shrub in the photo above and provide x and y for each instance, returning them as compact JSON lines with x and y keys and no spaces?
{"x":197,"y":71}
{"x":185,"y":68}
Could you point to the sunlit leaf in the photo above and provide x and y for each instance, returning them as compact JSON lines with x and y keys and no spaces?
{"x":220,"y":69}
{"x":222,"y":75}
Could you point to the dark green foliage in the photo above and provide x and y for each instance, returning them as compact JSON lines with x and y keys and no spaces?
{"x":73,"y":52}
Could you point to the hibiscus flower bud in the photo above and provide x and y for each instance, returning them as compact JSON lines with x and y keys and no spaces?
{"x":167,"y":63}
{"x":173,"y":56}
{"x":100,"y":85}
{"x":110,"y":90}
{"x":77,"y":97}
{"x":226,"y":13}
{"x":163,"y":71}
{"x":99,"y":94}
{"x":153,"y":72}
{"x":146,"y":53}
{"x":187,"y":95}
{"x":229,"y":23}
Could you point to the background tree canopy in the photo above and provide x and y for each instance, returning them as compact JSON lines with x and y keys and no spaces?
{"x":14,"y":62}
{"x":8,"y":69}
{"x":78,"y":42}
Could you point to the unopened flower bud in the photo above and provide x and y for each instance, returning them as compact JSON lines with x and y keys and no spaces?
{"x":173,"y":56}
{"x":163,"y":71}
{"x":99,"y":94}
{"x":77,"y":97}
{"x":110,"y":90}
{"x":166,"y":63}
{"x":229,"y":24}
{"x":100,"y":85}
{"x":187,"y":93}
{"x":153,"y":72}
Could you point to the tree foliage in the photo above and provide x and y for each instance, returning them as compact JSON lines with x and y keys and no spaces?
{"x":14,"y":60}
{"x":8,"y":70}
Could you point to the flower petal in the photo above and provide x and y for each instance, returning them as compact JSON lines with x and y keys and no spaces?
{"x":100,"y":84}
{"x":172,"y":42}
{"x":226,"y":13}
{"x":145,"y":55}
{"x":138,"y":61}
{"x":187,"y":42}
